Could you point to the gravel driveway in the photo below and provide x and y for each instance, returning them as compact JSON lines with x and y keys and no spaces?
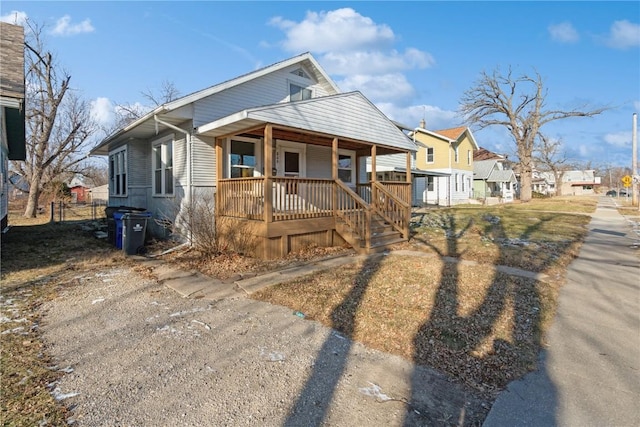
{"x":136,"y":353}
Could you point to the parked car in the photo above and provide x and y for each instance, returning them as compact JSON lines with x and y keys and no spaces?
{"x":612,"y":193}
{"x":624,"y":192}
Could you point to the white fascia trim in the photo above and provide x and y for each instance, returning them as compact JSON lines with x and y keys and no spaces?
{"x":473,"y":139}
{"x":222,"y":122}
{"x":434,"y":134}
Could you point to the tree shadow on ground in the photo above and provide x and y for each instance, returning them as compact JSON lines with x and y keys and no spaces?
{"x":466,"y":345}
{"x":310,"y":409}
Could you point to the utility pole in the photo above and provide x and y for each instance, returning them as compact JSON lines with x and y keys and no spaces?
{"x":634,"y":162}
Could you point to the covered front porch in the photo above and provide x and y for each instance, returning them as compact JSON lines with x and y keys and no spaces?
{"x":291,"y":205}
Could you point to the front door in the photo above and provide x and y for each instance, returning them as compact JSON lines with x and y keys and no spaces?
{"x":291,"y":160}
{"x":290,"y":163}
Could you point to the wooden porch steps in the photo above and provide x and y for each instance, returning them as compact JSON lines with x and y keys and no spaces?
{"x":382,"y":235}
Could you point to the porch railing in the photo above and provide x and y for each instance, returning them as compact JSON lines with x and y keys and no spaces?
{"x":394,"y":210}
{"x":292,"y":198}
{"x":354,"y":211}
{"x":305,"y":198}
{"x":301,"y":198}
{"x":402,"y":190}
{"x":241,"y":198}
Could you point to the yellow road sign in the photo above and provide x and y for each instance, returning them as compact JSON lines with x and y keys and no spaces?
{"x":626,"y":180}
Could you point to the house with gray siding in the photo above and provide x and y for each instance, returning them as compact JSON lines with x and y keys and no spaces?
{"x":280,"y":152}
{"x":492,"y":182}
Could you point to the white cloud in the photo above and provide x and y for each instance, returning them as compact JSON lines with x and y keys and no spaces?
{"x":623,"y":35}
{"x":375,"y":62}
{"x":15,"y":17}
{"x":618,"y":139}
{"x":585,"y":151}
{"x":378,"y":87}
{"x":64,"y":27}
{"x":102,"y":111}
{"x":564,"y":33}
{"x":337,"y":30}
{"x":357,"y":49}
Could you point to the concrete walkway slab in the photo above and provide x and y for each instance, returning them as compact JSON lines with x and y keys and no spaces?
{"x":254,"y":284}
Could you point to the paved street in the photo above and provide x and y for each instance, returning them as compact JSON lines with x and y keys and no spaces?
{"x":590,"y":373}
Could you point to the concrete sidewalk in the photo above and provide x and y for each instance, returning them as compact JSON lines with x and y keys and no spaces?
{"x":192,"y":284}
{"x":590,"y":373}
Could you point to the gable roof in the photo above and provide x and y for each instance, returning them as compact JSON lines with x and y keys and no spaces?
{"x":488,"y":170}
{"x":349,"y":115}
{"x":456,"y":134}
{"x":505,"y":175}
{"x":448,"y":135}
{"x":484,"y":154}
{"x":482,"y":168}
{"x":452,"y":133}
{"x":146,"y":123}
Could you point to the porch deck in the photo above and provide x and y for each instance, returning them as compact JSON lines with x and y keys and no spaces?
{"x":285,"y":214}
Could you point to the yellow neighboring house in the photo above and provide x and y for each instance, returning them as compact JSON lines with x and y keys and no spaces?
{"x":449,"y":153}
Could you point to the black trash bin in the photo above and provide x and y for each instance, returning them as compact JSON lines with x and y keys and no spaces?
{"x":114,"y":226}
{"x":134,"y":229}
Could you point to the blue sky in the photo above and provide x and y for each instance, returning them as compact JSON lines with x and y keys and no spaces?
{"x":412,"y":59}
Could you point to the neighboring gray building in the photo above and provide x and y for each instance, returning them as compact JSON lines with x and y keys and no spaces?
{"x":492,"y":180}
{"x":12,"y":108}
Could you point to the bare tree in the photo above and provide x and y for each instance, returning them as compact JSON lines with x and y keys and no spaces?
{"x":549,"y":155}
{"x":518,"y":104}
{"x":166,"y":93}
{"x":58,"y":121}
{"x":128,"y":112}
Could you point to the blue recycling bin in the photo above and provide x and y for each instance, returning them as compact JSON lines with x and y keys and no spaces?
{"x":134,"y":229}
{"x":117,"y":217}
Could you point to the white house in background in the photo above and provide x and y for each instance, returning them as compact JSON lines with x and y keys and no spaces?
{"x":283,"y":152}
{"x":579,"y":182}
{"x":543,"y":182}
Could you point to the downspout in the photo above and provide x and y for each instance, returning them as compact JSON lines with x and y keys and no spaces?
{"x":188,"y":193}
{"x":451,"y":184}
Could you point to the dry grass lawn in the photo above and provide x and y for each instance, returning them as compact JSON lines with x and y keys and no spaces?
{"x":483,"y":327}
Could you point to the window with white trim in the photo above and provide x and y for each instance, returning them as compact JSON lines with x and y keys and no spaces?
{"x":468,"y":157}
{"x":430,"y":183}
{"x":429,"y":153}
{"x":347,"y":167}
{"x":456,"y":181}
{"x":118,"y":173}
{"x":455,"y":151}
{"x":298,"y":93}
{"x":243,"y":159}
{"x":163,"y":167}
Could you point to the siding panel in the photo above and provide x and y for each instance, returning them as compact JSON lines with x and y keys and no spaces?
{"x":266,"y":90}
{"x":204,"y":161}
